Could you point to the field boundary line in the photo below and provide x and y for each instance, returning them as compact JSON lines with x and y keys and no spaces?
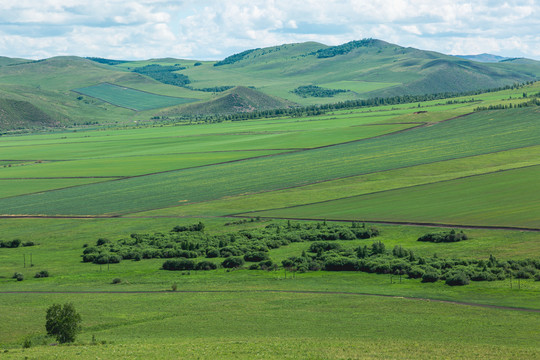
{"x":312,"y":292}
{"x":406,"y":223}
{"x":384,"y":191}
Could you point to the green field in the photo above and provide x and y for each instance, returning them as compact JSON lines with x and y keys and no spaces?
{"x":482,"y":133}
{"x":496,"y":199}
{"x":130,"y":98}
{"x":62,"y":191}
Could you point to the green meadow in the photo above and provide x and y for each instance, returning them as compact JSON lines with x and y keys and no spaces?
{"x":63,"y":191}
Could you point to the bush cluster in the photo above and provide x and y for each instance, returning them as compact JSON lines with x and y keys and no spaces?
{"x":191,"y":242}
{"x":451,"y":236}
{"x":15,"y":243}
{"x":400,"y":261}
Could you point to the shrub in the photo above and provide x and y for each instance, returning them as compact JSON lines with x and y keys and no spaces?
{"x":117,"y":281}
{"x":205,"y":265}
{"x":378,"y":248}
{"x":212,"y":253}
{"x":18,"y":276}
{"x":178,"y":264}
{"x":232,"y":262}
{"x":451,"y":236}
{"x":430,"y":276}
{"x":28,"y":243}
{"x":266,"y":265}
{"x":42,"y":274}
{"x":256,"y":256}
{"x":254,"y":267}
{"x":321,"y":246}
{"x":341,"y":264}
{"x":457,"y":279}
{"x":483,"y":276}
{"x":102,"y":241}
{"x":415,"y":272}
{"x":10,"y":244}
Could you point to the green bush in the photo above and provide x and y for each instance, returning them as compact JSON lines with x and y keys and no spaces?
{"x":18,"y":276}
{"x":430,"y":276}
{"x":232,"y":262}
{"x":179,"y":264}
{"x":205,"y":265}
{"x":457,"y":279}
{"x":256,"y":256}
{"x":451,"y":236}
{"x":42,"y":274}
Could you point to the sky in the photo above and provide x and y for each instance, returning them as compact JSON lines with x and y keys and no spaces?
{"x":215,"y":29}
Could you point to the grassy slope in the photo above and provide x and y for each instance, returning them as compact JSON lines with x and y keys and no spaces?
{"x":394,"y":70}
{"x":238,"y":99}
{"x":22,"y":115}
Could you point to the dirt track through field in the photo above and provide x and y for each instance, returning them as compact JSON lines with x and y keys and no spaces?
{"x":307,"y":292}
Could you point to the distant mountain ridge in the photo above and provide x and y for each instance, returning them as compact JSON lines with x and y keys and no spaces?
{"x":487,"y":58}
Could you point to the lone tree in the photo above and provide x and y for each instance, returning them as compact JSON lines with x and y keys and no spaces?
{"x":63,"y":322}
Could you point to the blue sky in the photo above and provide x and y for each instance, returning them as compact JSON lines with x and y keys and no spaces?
{"x":214,"y":29}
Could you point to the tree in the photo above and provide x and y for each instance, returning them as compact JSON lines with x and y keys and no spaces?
{"x":63,"y":322}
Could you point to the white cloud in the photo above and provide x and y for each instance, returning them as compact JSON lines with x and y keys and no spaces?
{"x":215,"y":28}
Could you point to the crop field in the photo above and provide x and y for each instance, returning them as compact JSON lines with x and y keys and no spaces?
{"x":507,"y":198}
{"x":130,"y":98}
{"x":482,"y":133}
{"x":403,"y":170}
{"x":358,"y":86}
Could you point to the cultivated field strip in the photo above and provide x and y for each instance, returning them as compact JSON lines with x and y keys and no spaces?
{"x":480,"y":133}
{"x":130,"y":98}
{"x":505,"y":199}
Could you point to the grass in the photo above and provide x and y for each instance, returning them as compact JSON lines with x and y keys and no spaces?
{"x":509,"y":198}
{"x":130,"y":98}
{"x":277,"y":326}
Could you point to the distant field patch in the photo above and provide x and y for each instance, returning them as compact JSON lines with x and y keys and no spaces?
{"x":130,"y":98}
{"x":359,"y":86}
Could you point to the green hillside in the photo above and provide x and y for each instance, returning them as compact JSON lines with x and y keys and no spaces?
{"x":356,"y":70}
{"x":238,"y":99}
{"x":15,"y":114}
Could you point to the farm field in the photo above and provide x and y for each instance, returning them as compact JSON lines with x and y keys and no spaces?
{"x":130,"y":98}
{"x":506,"y":198}
{"x":476,"y":170}
{"x":481,"y":133}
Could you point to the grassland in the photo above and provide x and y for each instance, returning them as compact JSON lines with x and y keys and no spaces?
{"x":381,"y":163}
{"x":130,"y":98}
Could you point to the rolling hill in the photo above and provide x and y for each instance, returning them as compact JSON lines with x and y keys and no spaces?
{"x":256,"y":79}
{"x":238,"y":99}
